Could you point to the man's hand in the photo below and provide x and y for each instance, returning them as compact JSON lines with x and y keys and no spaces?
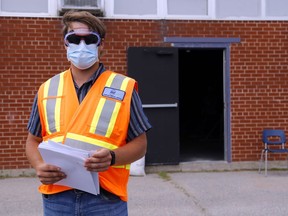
{"x":99,"y":161}
{"x":49,"y":174}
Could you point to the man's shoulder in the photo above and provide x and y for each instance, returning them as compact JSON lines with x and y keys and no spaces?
{"x":55,"y":77}
{"x":117,"y":73}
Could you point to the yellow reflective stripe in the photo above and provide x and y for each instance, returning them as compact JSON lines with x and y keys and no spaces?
{"x":91,"y":141}
{"x":116,"y":108}
{"x":124,"y":84}
{"x":122,"y":166}
{"x":113,"y":119}
{"x":110,"y":79}
{"x":103,"y":128}
{"x":58,"y":139}
{"x":58,"y":102}
{"x":46,"y":89}
{"x":97,"y":115}
{"x":98,"y":143}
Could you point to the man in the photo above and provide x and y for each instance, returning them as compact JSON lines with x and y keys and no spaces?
{"x":87,"y":106}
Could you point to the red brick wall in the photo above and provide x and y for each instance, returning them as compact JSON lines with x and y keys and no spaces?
{"x":32,"y":50}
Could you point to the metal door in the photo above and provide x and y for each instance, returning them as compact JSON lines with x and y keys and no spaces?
{"x":156,"y":70}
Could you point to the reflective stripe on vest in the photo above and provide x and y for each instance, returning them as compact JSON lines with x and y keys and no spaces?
{"x":85,"y":143}
{"x":105,"y":115}
{"x":107,"y":111}
{"x":53,"y":88}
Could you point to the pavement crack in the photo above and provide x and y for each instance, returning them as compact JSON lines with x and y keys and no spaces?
{"x":190,"y":196}
{"x":166,"y":177}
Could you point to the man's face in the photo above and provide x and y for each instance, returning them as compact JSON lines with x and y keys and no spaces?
{"x":83,"y":46}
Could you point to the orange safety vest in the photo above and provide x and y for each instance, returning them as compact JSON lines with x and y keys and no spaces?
{"x":102,"y":119}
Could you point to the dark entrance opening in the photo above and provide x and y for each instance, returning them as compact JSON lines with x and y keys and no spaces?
{"x":182,"y":92}
{"x":201,"y":104}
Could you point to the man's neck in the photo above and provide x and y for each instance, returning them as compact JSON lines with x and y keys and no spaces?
{"x":81,"y":76}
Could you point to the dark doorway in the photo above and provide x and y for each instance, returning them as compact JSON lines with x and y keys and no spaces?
{"x":201,"y":104}
{"x":182,"y":94}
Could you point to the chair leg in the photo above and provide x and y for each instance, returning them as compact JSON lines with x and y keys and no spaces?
{"x":266,"y":162}
{"x":287,"y":161}
{"x":261,"y":162}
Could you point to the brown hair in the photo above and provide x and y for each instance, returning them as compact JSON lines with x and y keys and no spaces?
{"x":94,"y":23}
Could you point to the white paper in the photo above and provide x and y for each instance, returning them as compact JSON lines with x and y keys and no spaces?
{"x":137,"y":168}
{"x":71,"y":162}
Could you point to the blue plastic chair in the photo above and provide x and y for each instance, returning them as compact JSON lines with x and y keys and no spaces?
{"x":274,"y":142}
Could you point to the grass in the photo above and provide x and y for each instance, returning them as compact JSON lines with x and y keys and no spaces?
{"x":164,"y":176}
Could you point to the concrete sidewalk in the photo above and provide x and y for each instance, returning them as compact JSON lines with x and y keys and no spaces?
{"x":233,"y":193}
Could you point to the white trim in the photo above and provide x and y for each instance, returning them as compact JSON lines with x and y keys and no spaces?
{"x":161,"y":8}
{"x":53,"y":7}
{"x":52,"y":11}
{"x":211,"y":9}
{"x":162,"y":13}
{"x":263,"y":8}
{"x":107,"y":7}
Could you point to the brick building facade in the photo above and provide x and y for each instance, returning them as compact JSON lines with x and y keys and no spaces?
{"x":32,"y":51}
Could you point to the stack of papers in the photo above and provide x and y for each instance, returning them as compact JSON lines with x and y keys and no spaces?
{"x":71,"y":161}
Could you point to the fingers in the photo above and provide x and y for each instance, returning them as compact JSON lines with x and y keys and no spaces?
{"x":49,"y":174}
{"x":50,"y":179}
{"x":99,"y":161}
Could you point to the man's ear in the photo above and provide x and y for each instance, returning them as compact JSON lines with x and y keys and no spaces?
{"x":101,"y":48}
{"x":102,"y":42}
{"x":101,"y":45}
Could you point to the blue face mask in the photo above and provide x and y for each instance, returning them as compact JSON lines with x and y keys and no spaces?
{"x":81,"y":55}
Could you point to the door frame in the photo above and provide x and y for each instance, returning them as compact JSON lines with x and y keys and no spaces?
{"x":219,"y":43}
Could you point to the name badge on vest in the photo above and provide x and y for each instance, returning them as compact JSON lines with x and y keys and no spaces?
{"x":113,"y":93}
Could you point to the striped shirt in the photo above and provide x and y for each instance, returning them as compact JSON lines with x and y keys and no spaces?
{"x":138,"y":120}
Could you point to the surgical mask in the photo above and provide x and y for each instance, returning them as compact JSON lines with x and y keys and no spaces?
{"x":82,"y":55}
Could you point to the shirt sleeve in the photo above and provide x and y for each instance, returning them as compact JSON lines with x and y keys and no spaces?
{"x":34,"y":125}
{"x":138,"y":120}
